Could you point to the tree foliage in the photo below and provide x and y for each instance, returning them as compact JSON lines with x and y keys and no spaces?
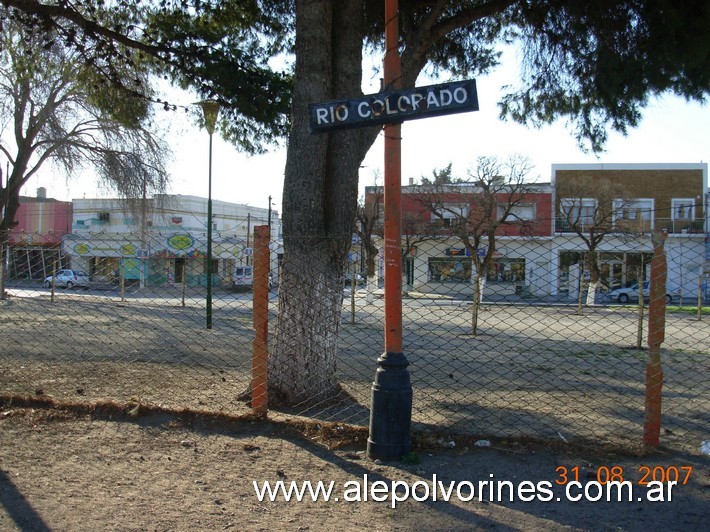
{"x":218,"y":48}
{"x":595,"y":64}
{"x":598,"y":63}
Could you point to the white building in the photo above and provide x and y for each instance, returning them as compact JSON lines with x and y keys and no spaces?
{"x":163,"y":240}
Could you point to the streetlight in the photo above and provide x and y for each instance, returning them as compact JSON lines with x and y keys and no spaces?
{"x":210,"y":110}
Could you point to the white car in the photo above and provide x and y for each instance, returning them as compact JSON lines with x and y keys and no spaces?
{"x":624,"y":295}
{"x":243,"y":277}
{"x":69,"y":279}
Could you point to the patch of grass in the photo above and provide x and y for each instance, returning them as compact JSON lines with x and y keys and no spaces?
{"x":411,"y":458}
{"x":704,"y":311}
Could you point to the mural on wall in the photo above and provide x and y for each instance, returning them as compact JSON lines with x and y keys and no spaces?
{"x":177,"y":245}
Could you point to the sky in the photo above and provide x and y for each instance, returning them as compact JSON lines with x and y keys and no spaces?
{"x":672,"y":131}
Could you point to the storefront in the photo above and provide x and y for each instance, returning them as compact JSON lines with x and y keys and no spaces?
{"x":155,"y":259}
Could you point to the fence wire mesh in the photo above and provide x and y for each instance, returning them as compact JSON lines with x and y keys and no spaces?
{"x":546,"y":358}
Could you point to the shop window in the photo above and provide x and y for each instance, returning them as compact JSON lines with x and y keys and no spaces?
{"x":449,"y":270}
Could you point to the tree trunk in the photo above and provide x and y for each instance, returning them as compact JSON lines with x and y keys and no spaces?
{"x":475,"y":308}
{"x":320,"y":202}
{"x":592,"y":293}
{"x":303,"y":364}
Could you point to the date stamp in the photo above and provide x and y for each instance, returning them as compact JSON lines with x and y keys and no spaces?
{"x":643,"y":475}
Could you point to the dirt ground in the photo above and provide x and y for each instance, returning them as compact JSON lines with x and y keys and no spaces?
{"x":63,"y":470}
{"x":531,"y":371}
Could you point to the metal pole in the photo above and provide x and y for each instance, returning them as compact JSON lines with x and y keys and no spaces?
{"x":391,"y":406}
{"x":210,"y":109}
{"x":209,"y":240}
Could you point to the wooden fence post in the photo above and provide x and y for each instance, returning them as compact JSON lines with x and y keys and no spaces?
{"x":260,"y":353}
{"x":656,"y":335}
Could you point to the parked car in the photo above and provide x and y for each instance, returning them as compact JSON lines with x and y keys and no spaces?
{"x":624,"y":295}
{"x":243,"y":277}
{"x":69,"y":279}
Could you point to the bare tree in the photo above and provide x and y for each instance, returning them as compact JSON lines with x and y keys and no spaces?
{"x":594,"y":209}
{"x":367,"y":222}
{"x":55,"y":109}
{"x":473,"y":211}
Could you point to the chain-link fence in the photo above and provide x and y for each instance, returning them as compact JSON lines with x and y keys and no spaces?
{"x":557,"y":351}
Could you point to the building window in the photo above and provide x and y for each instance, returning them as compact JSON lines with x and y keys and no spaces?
{"x":103,"y":216}
{"x":450,"y":212}
{"x":518,"y":213}
{"x":507,"y":271}
{"x":578,"y":211}
{"x":683,"y":209}
{"x":449,"y":270}
{"x":633,"y":209}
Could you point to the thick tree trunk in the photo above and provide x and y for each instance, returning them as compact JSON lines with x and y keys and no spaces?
{"x":302,"y":366}
{"x":320,"y":201}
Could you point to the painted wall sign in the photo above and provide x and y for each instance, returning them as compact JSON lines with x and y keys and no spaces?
{"x":155,"y":245}
{"x":394,"y":106}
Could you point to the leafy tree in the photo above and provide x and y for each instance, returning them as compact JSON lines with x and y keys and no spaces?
{"x":218,"y":48}
{"x":473,"y":211}
{"x":595,"y":63}
{"x":441,"y":177}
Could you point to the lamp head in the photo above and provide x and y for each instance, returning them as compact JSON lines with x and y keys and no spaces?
{"x":210,"y":110}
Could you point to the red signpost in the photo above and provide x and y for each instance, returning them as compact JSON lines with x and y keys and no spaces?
{"x":391,"y":406}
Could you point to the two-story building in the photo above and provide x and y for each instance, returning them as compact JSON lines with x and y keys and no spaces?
{"x":436,"y":261}
{"x":623,"y":203}
{"x":163,"y":240}
{"x":543,"y":249}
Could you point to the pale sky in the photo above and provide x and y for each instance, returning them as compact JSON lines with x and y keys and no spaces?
{"x":672,"y":131}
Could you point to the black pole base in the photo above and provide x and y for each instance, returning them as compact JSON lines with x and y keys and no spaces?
{"x":391,"y":410}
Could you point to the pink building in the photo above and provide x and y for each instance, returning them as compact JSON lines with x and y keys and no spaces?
{"x":34,"y":242}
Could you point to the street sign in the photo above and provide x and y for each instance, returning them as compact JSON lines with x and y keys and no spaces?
{"x":394,"y":107}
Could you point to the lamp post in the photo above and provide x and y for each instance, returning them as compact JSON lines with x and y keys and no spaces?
{"x":210,"y":110}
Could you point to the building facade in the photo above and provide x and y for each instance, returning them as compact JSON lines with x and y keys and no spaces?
{"x":162,"y":240}
{"x":637,"y":199}
{"x":545,"y":257}
{"x":33,"y":244}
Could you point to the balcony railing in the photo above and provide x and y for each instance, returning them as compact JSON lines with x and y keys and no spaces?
{"x":642,"y":226}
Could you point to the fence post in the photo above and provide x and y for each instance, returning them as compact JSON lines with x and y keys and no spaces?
{"x":4,"y":245}
{"x":656,"y":335}
{"x":700,"y":295}
{"x":122,"y":279}
{"x":260,"y":353}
